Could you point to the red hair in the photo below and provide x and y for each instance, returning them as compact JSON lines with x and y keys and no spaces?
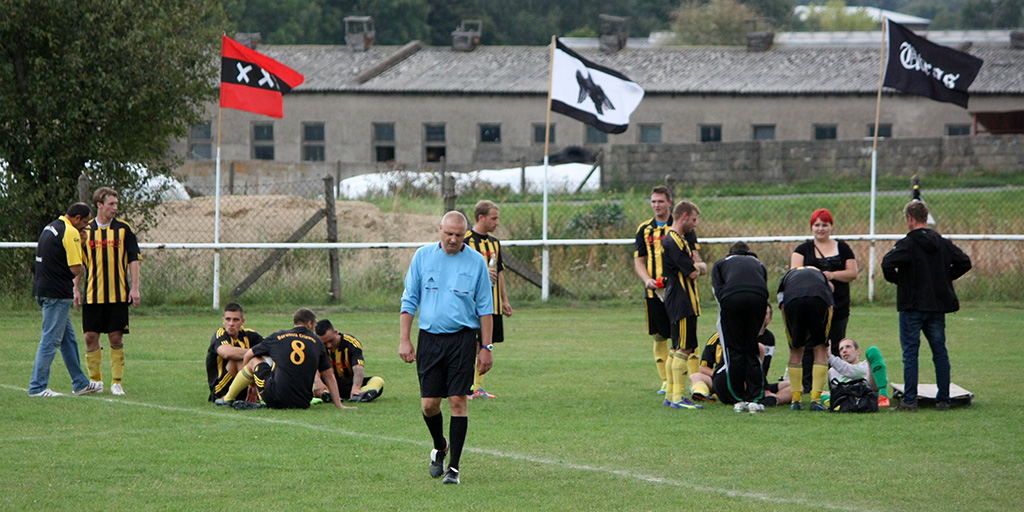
{"x":823,"y":214}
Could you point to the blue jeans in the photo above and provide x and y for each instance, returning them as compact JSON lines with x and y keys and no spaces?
{"x":58,"y":334}
{"x":933,"y":324}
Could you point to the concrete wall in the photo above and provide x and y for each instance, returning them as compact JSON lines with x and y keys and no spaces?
{"x":783,"y":161}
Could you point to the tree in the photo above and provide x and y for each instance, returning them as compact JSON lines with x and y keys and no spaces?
{"x":833,"y":17}
{"x":104,"y":82}
{"x":717,"y":23}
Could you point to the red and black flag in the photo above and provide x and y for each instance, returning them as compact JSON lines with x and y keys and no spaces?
{"x":253,"y":82}
{"x":919,"y":66}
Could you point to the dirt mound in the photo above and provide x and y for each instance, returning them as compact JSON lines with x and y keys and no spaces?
{"x":275,"y":218}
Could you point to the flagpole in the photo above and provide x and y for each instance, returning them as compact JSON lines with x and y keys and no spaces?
{"x":874,"y":169}
{"x":216,"y":219}
{"x":545,"y":252}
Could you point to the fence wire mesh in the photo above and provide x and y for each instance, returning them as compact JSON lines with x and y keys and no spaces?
{"x":374,"y":277}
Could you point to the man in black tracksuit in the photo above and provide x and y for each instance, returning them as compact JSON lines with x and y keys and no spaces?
{"x":924,"y":265}
{"x":740,"y":284}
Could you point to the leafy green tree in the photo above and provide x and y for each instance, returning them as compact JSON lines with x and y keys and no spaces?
{"x":104,"y":82}
{"x":833,"y":17}
{"x":716,"y":23}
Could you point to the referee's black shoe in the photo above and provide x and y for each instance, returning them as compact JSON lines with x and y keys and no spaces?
{"x":437,"y":460}
{"x":451,"y":476}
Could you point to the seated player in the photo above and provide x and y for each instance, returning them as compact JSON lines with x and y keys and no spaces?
{"x":283,"y":367}
{"x":227,"y":349}
{"x":346,"y":355}
{"x":848,"y":367}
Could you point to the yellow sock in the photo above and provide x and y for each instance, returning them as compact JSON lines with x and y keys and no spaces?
{"x":702,"y":388}
{"x":692,"y":366}
{"x":94,"y":362}
{"x":677,"y":368}
{"x":819,"y":374}
{"x":796,"y":377}
{"x":375,"y":383}
{"x":240,"y":384}
{"x":669,"y":377}
{"x":661,"y":357}
{"x":116,"y":364}
{"x":478,"y":380}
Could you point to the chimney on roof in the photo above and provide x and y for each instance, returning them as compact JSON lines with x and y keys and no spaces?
{"x":1017,"y":39}
{"x":359,"y":33}
{"x":613,"y":33}
{"x":467,"y":37}
{"x":249,"y":40}
{"x":760,"y":40}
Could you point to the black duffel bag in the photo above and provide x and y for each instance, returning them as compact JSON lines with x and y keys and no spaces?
{"x":852,"y":396}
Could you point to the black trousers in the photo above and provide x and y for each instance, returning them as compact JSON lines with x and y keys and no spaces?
{"x":740,"y":318}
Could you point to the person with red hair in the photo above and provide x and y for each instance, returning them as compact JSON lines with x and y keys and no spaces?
{"x":836,"y":260}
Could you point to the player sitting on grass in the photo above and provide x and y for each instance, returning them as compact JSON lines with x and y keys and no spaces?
{"x":848,"y":367}
{"x":346,"y":354}
{"x":227,"y":350}
{"x":283,"y":366}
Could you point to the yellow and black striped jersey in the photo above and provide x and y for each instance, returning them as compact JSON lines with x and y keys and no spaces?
{"x":348,"y":354}
{"x":681,"y":296}
{"x":648,"y":245}
{"x":711,"y":357}
{"x":490,"y":247}
{"x":216,"y":366}
{"x":108,"y":251}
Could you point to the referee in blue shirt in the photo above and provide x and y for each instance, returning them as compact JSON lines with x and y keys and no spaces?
{"x":449,"y":286}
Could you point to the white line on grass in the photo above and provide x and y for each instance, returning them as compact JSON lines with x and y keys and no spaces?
{"x":514,"y":456}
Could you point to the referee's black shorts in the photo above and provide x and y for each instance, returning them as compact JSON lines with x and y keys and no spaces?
{"x":445,"y":362}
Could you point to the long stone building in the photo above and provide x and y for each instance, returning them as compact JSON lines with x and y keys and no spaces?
{"x":408,"y":107}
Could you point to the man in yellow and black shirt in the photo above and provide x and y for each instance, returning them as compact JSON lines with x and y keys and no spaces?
{"x":346,"y":354}
{"x":227,"y":350}
{"x":648,"y":264}
{"x":682,"y":303}
{"x":111,"y":255}
{"x":480,"y":239}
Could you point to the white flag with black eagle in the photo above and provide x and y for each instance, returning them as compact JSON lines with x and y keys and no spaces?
{"x":589,"y":92}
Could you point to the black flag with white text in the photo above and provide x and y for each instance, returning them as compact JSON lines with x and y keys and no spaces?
{"x":589,"y":92}
{"x":921,"y":67}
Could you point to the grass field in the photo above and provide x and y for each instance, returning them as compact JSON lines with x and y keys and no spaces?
{"x":576,"y":426}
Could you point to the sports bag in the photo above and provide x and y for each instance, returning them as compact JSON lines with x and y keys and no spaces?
{"x":852,"y":396}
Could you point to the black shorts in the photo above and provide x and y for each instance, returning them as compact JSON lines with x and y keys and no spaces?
{"x":684,"y":333}
{"x":498,"y":332}
{"x":720,"y":386}
{"x":105,"y":318}
{"x":807,"y":320}
{"x":658,"y":323}
{"x":445,"y":362}
{"x":268,"y":391}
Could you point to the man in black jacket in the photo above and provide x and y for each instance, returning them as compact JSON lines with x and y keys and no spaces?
{"x":923,"y":265}
{"x":740,"y":284}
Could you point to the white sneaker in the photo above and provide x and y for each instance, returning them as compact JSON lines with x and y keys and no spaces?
{"x":116,"y":389}
{"x":741,"y":406}
{"x":755,"y":408}
{"x":93,"y":387}
{"x":46,"y":393}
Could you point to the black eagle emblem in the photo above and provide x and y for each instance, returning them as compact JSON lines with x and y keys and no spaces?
{"x":594,"y":91}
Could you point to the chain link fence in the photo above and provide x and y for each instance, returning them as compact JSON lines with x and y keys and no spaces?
{"x":600,"y":269}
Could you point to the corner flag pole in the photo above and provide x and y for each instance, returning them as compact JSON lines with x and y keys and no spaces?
{"x":545,"y":251}
{"x":216,"y":219}
{"x":874,"y":170}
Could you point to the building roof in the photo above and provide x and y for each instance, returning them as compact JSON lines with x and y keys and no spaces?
{"x":659,"y":70}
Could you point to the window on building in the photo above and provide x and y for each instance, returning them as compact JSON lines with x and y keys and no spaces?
{"x":263,"y":141}
{"x":434,"y":142}
{"x":650,"y":133}
{"x":764,"y":132}
{"x":384,"y":142}
{"x":824,"y":132}
{"x":595,"y":136}
{"x":490,"y":133}
{"x":538,"y":134}
{"x":200,"y":142}
{"x":711,"y":133}
{"x":313,"y":142}
{"x":884,"y":130}
{"x":958,"y":130}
